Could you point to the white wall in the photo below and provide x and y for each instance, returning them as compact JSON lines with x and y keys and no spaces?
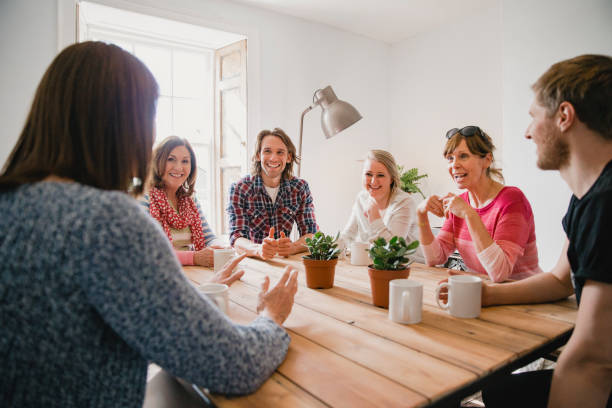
{"x":537,"y":34}
{"x":28,"y":32}
{"x":288,"y":60}
{"x":449,"y":77}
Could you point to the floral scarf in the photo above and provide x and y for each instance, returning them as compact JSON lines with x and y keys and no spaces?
{"x":187,"y":216}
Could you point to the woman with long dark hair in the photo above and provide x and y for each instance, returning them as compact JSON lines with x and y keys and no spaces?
{"x":90,"y":289}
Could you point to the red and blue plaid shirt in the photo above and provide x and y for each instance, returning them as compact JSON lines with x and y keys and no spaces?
{"x":252,"y":212}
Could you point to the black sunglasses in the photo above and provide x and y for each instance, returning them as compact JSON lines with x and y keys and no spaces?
{"x":465,"y":131}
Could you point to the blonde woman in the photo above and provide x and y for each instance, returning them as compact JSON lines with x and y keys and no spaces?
{"x":382,"y":209}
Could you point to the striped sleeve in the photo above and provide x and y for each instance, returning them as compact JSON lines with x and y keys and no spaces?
{"x":209,"y":235}
{"x":145,"y":201}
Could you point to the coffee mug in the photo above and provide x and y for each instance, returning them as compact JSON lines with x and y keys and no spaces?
{"x":464,"y":296}
{"x":221,"y":257}
{"x":405,"y":301}
{"x":218,"y":293}
{"x":359,"y":253}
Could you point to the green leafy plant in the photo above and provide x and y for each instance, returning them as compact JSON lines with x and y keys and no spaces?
{"x":392,"y":255}
{"x":322,"y":247}
{"x":409,"y":180}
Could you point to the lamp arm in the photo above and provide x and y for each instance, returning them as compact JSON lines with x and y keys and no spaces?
{"x":299,"y":166}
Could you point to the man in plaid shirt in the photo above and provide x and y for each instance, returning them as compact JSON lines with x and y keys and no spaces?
{"x":264,"y":205}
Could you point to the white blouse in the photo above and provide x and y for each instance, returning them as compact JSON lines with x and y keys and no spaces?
{"x":399,"y":218}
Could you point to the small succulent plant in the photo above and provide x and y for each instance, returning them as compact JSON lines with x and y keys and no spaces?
{"x":392,"y":255}
{"x":322,"y":247}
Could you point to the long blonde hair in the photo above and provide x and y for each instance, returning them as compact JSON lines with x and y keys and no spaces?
{"x":387,"y":160}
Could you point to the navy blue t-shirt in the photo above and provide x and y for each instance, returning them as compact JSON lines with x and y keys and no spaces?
{"x":588,"y":226}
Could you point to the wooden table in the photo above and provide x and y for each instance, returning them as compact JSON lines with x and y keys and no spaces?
{"x":345,"y":352}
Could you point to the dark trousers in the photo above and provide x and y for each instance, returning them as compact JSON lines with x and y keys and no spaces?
{"x":525,"y":390}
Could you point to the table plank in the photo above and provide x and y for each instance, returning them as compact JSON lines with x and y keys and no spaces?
{"x":557,"y":311}
{"x":500,"y":336}
{"x":278,"y":391}
{"x":418,"y":371}
{"x":322,"y":372}
{"x":463,"y":352}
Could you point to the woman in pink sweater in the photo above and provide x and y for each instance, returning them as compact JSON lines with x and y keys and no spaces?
{"x":491,"y":225}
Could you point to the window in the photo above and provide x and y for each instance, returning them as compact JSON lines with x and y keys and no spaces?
{"x":182,"y":57}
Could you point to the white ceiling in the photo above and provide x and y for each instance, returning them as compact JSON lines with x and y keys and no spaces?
{"x":390,"y":21}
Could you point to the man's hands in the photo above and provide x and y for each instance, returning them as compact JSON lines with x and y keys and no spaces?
{"x":285,"y":245}
{"x":276,"y":303}
{"x":270,"y":247}
{"x":226,"y":274}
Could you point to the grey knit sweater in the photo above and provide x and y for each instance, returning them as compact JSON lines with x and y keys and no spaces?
{"x":90,"y":291}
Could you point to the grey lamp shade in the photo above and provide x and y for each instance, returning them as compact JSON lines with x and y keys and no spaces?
{"x":336,"y":114}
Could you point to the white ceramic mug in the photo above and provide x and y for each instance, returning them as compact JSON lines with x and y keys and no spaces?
{"x":221,"y":257}
{"x":359,"y":253}
{"x":218,"y":293}
{"x":464,"y":296}
{"x":405,"y":301}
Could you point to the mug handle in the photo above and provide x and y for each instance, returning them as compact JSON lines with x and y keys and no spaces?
{"x":405,"y":305}
{"x":443,"y":306}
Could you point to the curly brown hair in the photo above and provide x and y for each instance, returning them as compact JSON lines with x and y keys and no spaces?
{"x":280,"y":133}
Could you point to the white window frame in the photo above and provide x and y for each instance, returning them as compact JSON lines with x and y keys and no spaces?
{"x":67,"y":23}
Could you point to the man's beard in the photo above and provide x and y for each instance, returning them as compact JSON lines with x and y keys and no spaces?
{"x":553,"y":154}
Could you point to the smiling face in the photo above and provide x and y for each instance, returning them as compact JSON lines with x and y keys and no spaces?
{"x":376,"y":179}
{"x":552,"y":150}
{"x":178,"y":168}
{"x":468,"y":170}
{"x":274,"y":157}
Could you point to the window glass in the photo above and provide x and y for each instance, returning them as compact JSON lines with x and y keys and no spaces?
{"x":188,"y":79}
{"x":159,"y":61}
{"x":163,"y":120}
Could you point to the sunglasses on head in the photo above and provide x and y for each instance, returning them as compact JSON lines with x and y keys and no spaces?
{"x":465,"y":131}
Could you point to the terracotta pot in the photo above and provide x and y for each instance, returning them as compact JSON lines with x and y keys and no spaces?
{"x":379,"y":282}
{"x":320,"y":273}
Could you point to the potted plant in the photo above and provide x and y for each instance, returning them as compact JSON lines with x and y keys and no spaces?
{"x":320,"y":265}
{"x":390,"y":261}
{"x":409,"y":180}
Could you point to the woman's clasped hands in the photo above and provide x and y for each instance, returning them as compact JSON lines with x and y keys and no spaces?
{"x":444,"y":206}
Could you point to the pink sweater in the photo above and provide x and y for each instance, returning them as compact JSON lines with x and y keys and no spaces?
{"x":509,"y":220}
